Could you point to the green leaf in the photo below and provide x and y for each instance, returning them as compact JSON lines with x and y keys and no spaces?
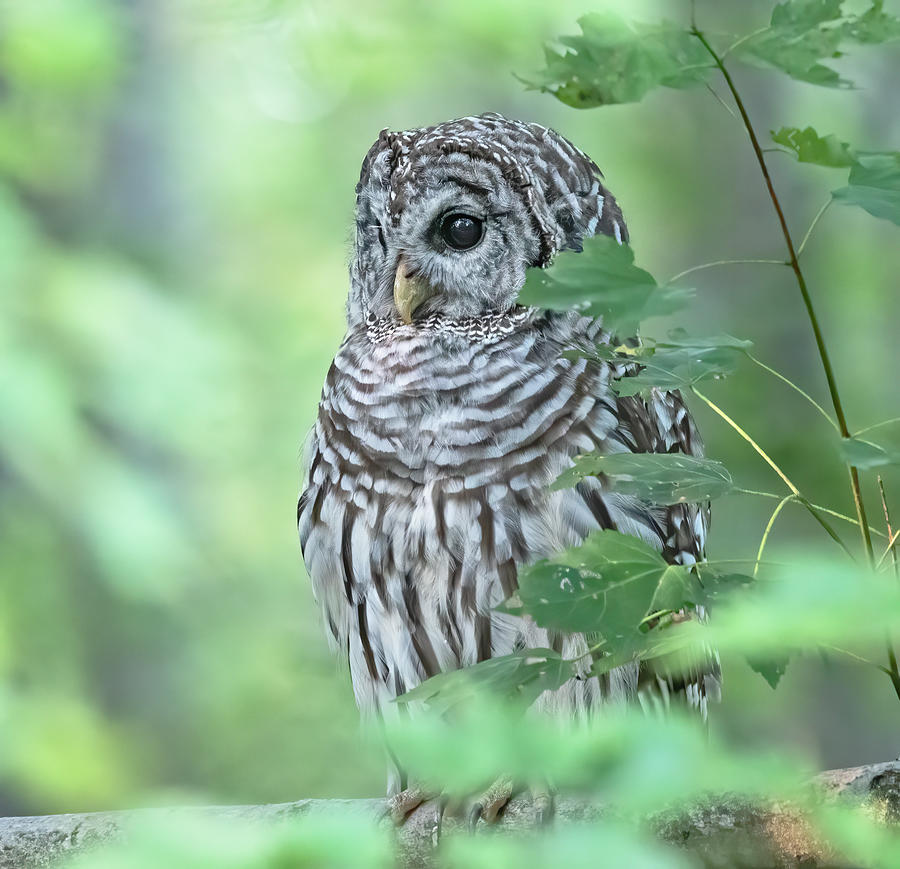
{"x":609,"y":586}
{"x":805,"y":14}
{"x":523,"y":676}
{"x":874,"y":185}
{"x":678,"y":362}
{"x":770,"y":668}
{"x":805,"y":604}
{"x":612,"y":754}
{"x":663,"y":478}
{"x":602,"y":281}
{"x":669,"y":369}
{"x":679,"y":589}
{"x":605,"y":585}
{"x":613,"y":61}
{"x":801,"y":33}
{"x":810,"y":147}
{"x":865,"y":454}
{"x":873,"y":26}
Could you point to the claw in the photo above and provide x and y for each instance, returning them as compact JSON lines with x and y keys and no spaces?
{"x":544,"y":804}
{"x":475,"y":814}
{"x":439,"y":810}
{"x":491,"y":803}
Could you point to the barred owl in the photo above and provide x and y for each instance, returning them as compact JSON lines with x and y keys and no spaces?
{"x":449,"y":410}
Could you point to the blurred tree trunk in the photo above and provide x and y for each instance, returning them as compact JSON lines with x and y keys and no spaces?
{"x":139,"y":199}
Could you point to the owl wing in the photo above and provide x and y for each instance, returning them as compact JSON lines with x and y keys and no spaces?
{"x":662,"y":424}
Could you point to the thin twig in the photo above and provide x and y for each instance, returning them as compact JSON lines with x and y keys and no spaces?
{"x":725,"y":262}
{"x":740,"y":41}
{"x":768,"y":460}
{"x":890,"y":550}
{"x":827,"y":510}
{"x":721,"y":102}
{"x":859,"y":658}
{"x":812,"y":226}
{"x":801,"y":283}
{"x":891,"y":421}
{"x":794,"y":386}
{"x":762,"y":453}
{"x":891,"y":535}
{"x":769,"y":525}
{"x":710,"y":561}
{"x":894,"y":672}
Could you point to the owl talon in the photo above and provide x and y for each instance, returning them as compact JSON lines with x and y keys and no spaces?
{"x":544,"y":804}
{"x":400,"y":806}
{"x":475,"y":814}
{"x":491,"y":803}
{"x":439,"y":810}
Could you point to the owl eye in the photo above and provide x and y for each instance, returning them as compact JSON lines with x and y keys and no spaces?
{"x":461,"y":231}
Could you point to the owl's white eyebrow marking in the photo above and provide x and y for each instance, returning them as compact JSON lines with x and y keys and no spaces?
{"x":462,"y":182}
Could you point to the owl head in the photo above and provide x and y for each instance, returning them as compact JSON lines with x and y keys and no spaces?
{"x":449,"y":217}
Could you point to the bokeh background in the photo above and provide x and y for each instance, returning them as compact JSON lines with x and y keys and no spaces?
{"x":176,"y":191}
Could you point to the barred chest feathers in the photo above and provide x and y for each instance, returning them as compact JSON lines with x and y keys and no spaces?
{"x":428,"y":487}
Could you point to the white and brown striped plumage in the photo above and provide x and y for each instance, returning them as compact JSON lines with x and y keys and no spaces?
{"x":436,"y":440}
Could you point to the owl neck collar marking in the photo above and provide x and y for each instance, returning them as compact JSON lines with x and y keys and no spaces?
{"x":486,"y":328}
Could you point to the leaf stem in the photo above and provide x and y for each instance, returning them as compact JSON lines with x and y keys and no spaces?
{"x":893,"y":672}
{"x":710,"y":561}
{"x":890,"y":550}
{"x":763,"y":454}
{"x":725,"y":262}
{"x":891,"y":421}
{"x":859,"y":658}
{"x":796,"y":388}
{"x":721,"y":102}
{"x":768,"y":460}
{"x":827,"y":510}
{"x":737,"y":42}
{"x":801,"y":283}
{"x":812,"y":226}
{"x":769,"y":525}
{"x":892,"y":535}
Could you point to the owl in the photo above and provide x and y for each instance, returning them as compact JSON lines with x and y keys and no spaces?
{"x":449,"y":410}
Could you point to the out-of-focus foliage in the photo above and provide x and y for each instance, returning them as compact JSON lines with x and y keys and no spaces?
{"x":614,"y":61}
{"x":176,"y":187}
{"x":320,"y":841}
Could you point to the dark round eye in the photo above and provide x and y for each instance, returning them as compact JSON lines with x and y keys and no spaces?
{"x":461,"y":231}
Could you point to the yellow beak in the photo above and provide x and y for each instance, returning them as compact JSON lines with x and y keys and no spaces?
{"x":409,"y":292}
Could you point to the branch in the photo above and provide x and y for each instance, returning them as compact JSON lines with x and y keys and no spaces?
{"x":801,"y":283}
{"x":725,"y":828}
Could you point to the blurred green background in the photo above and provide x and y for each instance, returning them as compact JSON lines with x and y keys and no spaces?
{"x":176,"y":192}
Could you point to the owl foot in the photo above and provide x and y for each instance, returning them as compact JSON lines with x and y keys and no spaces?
{"x":544,"y":802}
{"x":493,"y":801}
{"x":400,"y":806}
{"x":488,"y":805}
